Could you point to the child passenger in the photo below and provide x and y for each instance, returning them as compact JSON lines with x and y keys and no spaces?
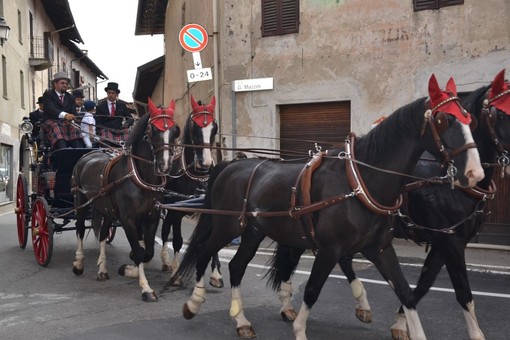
{"x":88,"y":123}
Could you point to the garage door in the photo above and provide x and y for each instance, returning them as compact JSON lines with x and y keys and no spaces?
{"x":301,"y":125}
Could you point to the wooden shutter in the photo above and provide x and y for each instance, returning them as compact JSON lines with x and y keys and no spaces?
{"x":280,"y":17}
{"x":420,"y":5}
{"x":301,"y":125}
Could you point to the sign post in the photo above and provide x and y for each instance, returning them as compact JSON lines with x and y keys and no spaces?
{"x":193,"y":38}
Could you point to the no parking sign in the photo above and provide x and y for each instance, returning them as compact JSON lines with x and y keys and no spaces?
{"x":193,"y":38}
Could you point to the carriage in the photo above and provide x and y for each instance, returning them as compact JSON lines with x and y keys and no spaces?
{"x":44,"y":199}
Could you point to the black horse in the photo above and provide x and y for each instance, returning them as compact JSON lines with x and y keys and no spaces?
{"x":451,"y":218}
{"x":189,"y":175}
{"x":446,"y":219}
{"x":313,"y":205}
{"x":124,"y":186}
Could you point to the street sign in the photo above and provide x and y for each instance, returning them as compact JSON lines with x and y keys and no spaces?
{"x":199,"y":74}
{"x":252,"y":84}
{"x":193,"y":38}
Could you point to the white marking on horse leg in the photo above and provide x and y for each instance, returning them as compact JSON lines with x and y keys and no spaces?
{"x":399,"y":329}
{"x":197,"y":298}
{"x":165,"y":256}
{"x":360,"y":294}
{"x":79,"y":257}
{"x":284,"y":295}
{"x":175,"y":262}
{"x":141,"y":243}
{"x":142,"y":280}
{"x":475,"y":333}
{"x":101,"y":260}
{"x":414,"y":325}
{"x":474,"y":171}
{"x":299,"y":325}
{"x":236,"y":308}
{"x":131,"y":271}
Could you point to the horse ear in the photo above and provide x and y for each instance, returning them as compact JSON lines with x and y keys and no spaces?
{"x":152,"y":108}
{"x":212,"y":105}
{"x":451,"y":86}
{"x":498,"y":84}
{"x":194,"y":104}
{"x":434,"y":90}
{"x":171,"y":106}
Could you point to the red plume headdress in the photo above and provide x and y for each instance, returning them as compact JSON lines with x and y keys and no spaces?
{"x":202,"y":115}
{"x":162,"y":118}
{"x":498,"y":94}
{"x":447,"y":101}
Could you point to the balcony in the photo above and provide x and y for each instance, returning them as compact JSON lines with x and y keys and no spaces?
{"x":41,"y":56}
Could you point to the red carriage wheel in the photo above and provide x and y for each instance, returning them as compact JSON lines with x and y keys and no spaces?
{"x":22,"y":211}
{"x":42,"y":231}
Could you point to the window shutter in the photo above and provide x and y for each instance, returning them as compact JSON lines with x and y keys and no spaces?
{"x":290,"y":16}
{"x":280,"y":17}
{"x":269,"y":18}
{"x":420,"y":5}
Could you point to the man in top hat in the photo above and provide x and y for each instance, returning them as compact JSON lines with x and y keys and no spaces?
{"x":78,"y":100}
{"x":36,"y":118}
{"x":59,"y":112}
{"x":112,"y":116}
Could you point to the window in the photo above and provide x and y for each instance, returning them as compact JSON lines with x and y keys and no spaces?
{"x":20,"y":28}
{"x":6,"y":184}
{"x":280,"y":17}
{"x":421,"y":5}
{"x":22,"y":88}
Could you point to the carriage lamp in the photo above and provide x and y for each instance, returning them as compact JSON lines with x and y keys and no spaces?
{"x":4,"y":31}
{"x":26,"y":126}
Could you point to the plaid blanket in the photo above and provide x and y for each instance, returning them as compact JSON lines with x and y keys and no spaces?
{"x":114,"y":135}
{"x":60,"y":129}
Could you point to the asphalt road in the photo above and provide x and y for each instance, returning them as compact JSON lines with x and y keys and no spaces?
{"x":53,"y":303}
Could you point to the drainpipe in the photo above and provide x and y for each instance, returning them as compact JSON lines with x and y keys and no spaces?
{"x":217,"y":71}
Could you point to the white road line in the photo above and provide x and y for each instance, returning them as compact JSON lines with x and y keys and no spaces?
{"x":226,"y":255}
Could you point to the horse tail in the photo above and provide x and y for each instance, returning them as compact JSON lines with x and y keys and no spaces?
{"x":282,"y":265}
{"x":202,"y":230}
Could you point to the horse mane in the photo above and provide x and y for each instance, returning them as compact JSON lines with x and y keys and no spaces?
{"x":402,"y":121}
{"x":138,"y":130}
{"x":186,"y":136}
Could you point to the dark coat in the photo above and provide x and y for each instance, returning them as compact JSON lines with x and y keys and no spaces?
{"x":36,"y":118}
{"x":121,"y":120}
{"x":53,"y":106}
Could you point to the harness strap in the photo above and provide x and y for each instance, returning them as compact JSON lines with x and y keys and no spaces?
{"x":358,"y":185}
{"x":242,"y":217}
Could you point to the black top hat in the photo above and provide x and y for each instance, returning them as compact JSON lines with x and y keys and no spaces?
{"x":112,"y":87}
{"x":78,"y":94}
{"x":40,"y":100}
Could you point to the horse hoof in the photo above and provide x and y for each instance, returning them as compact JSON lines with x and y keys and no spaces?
{"x":149,"y":297}
{"x":188,"y":315}
{"x":246,"y":332}
{"x":216,"y":283}
{"x":102,"y":277}
{"x":364,"y":315}
{"x":122,"y":270}
{"x":77,"y":271}
{"x":166,"y":269}
{"x":176,"y":281}
{"x":398,"y":334}
{"x":289,"y":315}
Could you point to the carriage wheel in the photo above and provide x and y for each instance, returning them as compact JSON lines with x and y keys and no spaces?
{"x":42,"y":231}
{"x":22,"y":211}
{"x":111,"y":233}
